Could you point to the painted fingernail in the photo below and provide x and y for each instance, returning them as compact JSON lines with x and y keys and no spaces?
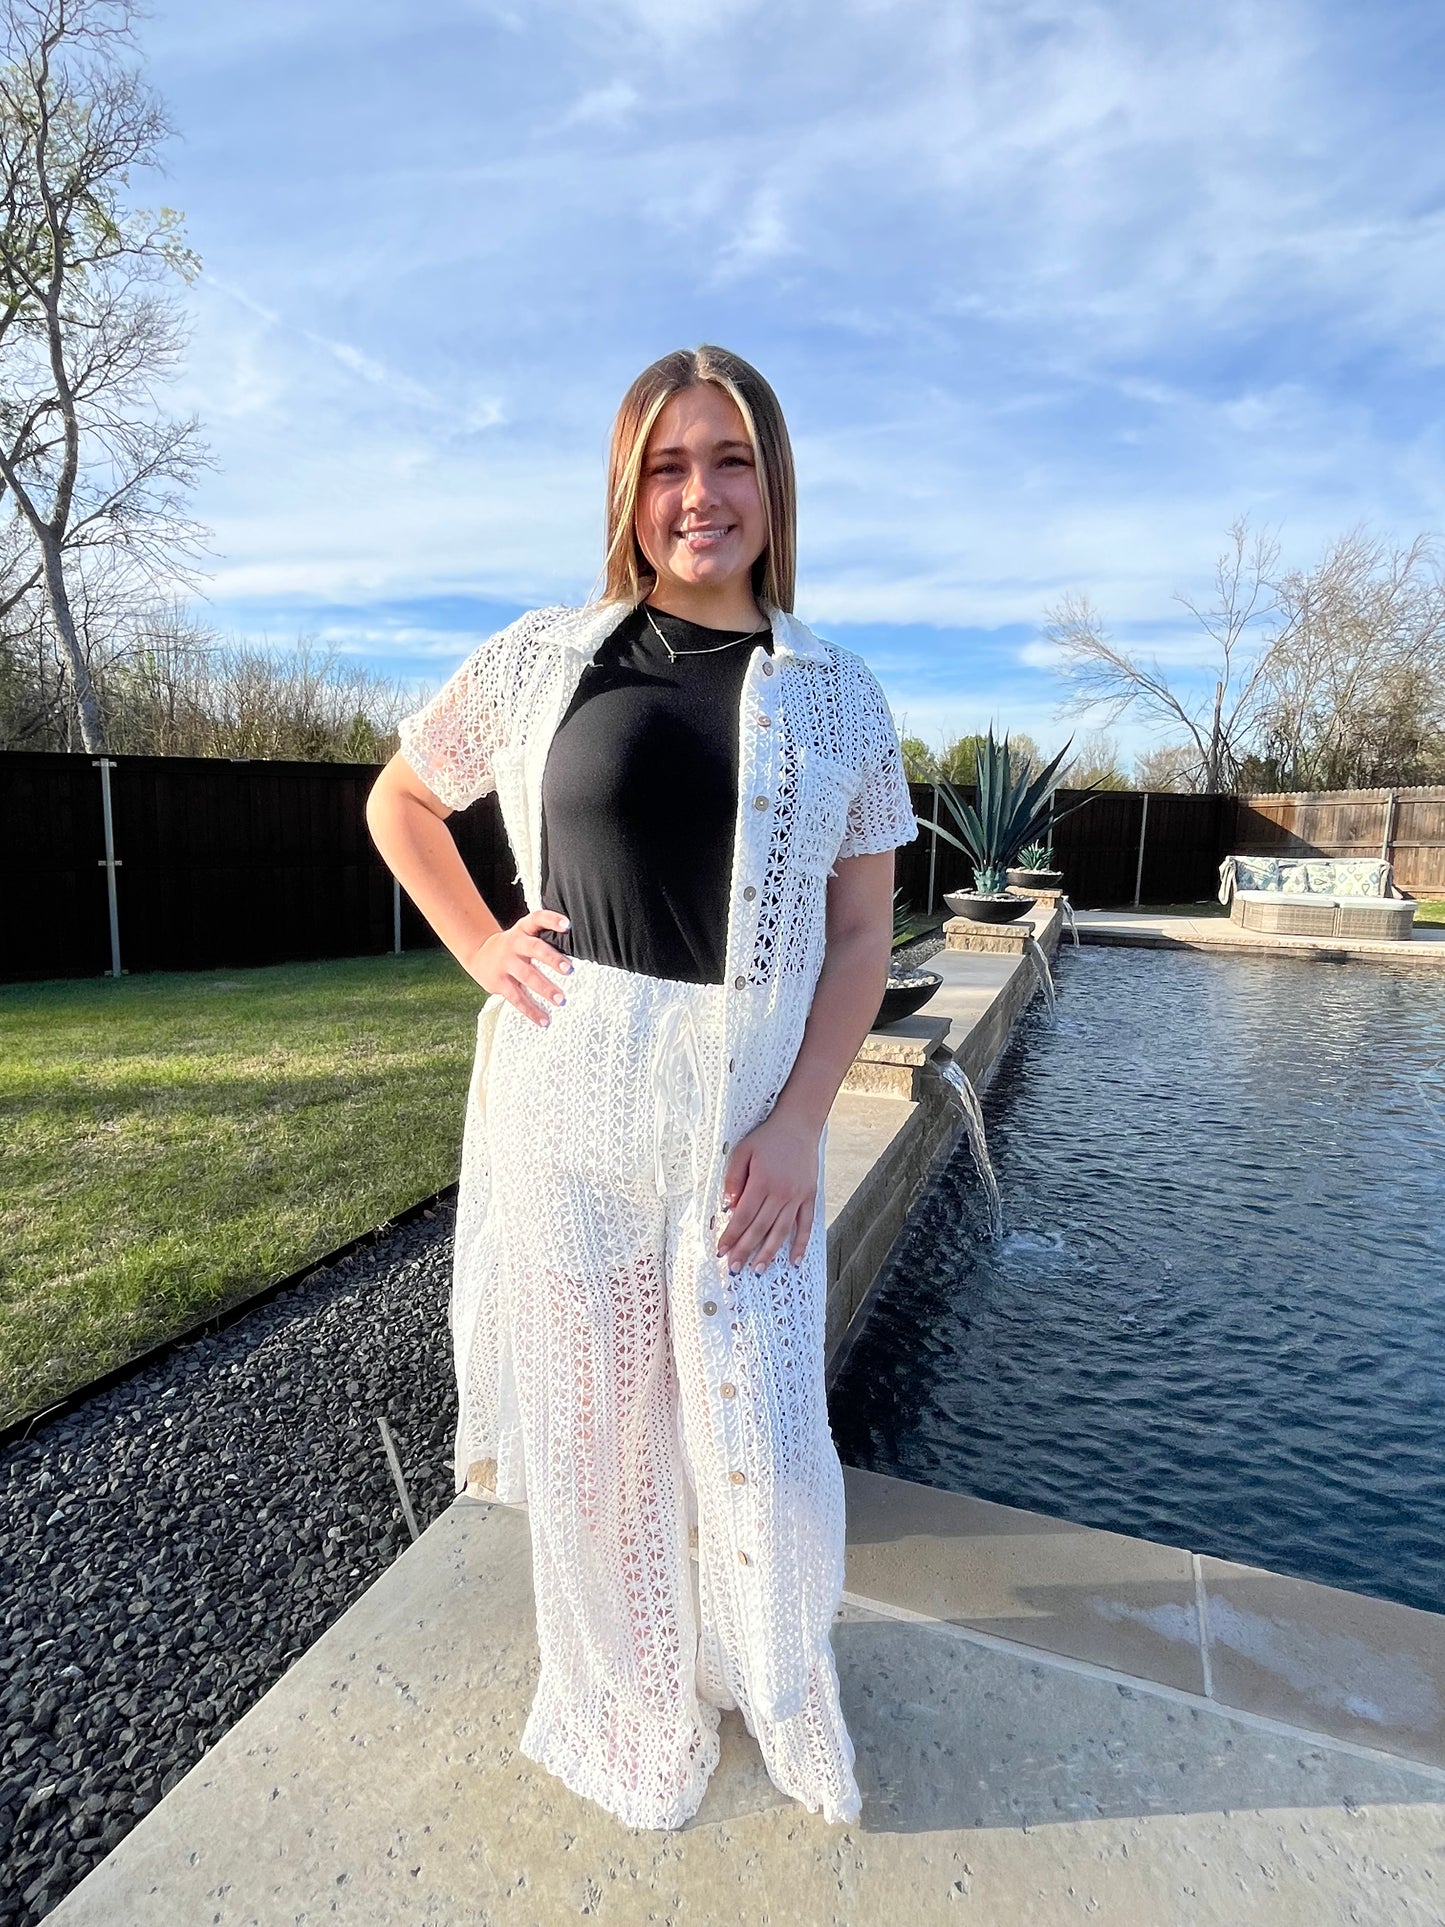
{"x":558,"y":998}
{"x":734,"y":1270}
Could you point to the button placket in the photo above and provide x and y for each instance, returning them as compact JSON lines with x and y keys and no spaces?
{"x":756,"y":778}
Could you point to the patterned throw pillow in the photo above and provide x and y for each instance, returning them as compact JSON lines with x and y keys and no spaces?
{"x":1359,"y":877}
{"x":1256,"y":873}
{"x":1296,"y":878}
{"x":1321,"y":873}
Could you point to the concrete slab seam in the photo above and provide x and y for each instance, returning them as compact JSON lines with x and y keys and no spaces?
{"x":1201,"y":1609}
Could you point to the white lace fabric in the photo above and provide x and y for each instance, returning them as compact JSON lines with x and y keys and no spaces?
{"x":659,"y":1399}
{"x":611,"y":1376}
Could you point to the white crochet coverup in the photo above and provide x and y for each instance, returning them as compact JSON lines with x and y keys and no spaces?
{"x":612,"y":1376}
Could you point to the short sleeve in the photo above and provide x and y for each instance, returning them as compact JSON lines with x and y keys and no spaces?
{"x":880,"y":816}
{"x":451,"y":739}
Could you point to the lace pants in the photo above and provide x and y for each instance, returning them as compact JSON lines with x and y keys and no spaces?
{"x":637,"y":1358}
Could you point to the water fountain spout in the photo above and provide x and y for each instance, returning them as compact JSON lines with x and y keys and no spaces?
{"x":1040,"y":963}
{"x":1069,"y":923}
{"x":954,"y":1076}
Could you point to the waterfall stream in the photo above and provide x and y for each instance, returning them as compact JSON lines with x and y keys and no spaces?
{"x":954,"y":1076}
{"x":1034,"y":950}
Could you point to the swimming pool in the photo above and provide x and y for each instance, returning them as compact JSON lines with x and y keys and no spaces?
{"x":1216,"y":1316}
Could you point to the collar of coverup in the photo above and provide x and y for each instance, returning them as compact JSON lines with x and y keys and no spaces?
{"x":583,"y":629}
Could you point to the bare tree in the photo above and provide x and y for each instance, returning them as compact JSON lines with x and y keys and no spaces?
{"x":1355,"y":686}
{"x":1095,"y":762}
{"x":87,"y":460}
{"x":1105,"y":677}
{"x":1169,"y":766}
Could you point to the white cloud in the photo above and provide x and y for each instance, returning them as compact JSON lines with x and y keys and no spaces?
{"x":610,"y":106}
{"x":1052,"y":289}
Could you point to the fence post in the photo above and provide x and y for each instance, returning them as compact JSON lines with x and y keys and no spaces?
{"x":932,"y":852}
{"x":395,"y":917}
{"x":1139,"y":872}
{"x":110,"y":862}
{"x":1392,"y":808}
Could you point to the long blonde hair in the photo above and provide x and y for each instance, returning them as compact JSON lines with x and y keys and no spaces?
{"x":627,"y":574}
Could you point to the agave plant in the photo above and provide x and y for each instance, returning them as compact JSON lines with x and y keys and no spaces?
{"x":1013,"y":807}
{"x":908,"y":923}
{"x":1034,"y":856}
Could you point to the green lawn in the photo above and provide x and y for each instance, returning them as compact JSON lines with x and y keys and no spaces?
{"x":1430,"y":910}
{"x":175,"y":1141}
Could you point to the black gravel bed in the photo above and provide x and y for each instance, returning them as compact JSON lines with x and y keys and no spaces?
{"x":171,"y":1547}
{"x":913,"y":956}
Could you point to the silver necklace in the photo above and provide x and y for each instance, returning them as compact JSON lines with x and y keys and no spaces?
{"x":711,"y":649}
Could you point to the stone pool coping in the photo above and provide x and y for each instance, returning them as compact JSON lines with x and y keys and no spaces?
{"x":893,"y":1121}
{"x":1423,"y":950}
{"x":1359,"y":1669}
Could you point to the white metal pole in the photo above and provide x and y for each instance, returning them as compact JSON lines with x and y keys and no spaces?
{"x":933,"y":851}
{"x":1139,"y":872}
{"x":110,"y":862}
{"x":396,"y":916}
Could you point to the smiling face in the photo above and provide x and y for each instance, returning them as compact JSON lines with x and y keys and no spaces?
{"x":700,"y":519}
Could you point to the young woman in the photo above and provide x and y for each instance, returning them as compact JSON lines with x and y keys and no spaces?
{"x":704,"y":799}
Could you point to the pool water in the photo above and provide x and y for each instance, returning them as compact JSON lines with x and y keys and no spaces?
{"x":1216,"y":1316}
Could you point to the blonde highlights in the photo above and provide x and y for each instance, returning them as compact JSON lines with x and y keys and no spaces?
{"x":627,"y":574}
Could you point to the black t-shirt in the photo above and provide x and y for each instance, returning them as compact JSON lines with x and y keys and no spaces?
{"x":639,"y":800}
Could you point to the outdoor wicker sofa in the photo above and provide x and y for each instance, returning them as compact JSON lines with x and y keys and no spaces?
{"x":1315,"y":896}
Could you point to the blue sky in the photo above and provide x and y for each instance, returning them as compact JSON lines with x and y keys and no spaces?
{"x":1050,"y":293}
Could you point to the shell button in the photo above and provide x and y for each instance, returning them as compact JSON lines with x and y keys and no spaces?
{"x":709,"y":1307}
{"x":767,"y":668}
{"x":728,"y":1390}
{"x":744,"y":1558}
{"x":738,"y":1478}
{"x":750,"y":892}
{"x":760,"y":802}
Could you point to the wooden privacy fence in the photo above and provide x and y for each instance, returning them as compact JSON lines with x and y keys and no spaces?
{"x":1407,"y":827}
{"x":1122,"y":846}
{"x":198,"y":863}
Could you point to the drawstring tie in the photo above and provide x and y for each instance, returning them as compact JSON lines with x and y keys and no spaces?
{"x":678,"y":1061}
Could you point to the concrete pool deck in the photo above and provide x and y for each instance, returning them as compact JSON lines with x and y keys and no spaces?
{"x":379,"y":1782}
{"x":1053,"y":1723}
{"x":1147,"y":929}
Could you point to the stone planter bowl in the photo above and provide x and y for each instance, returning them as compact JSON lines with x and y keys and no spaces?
{"x":981,"y":909}
{"x":903,"y":998}
{"x":1036,"y":879}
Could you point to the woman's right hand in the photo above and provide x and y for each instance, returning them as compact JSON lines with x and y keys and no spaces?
{"x":506,"y":964}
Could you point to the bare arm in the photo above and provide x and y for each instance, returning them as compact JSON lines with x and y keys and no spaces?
{"x":772,"y":1173}
{"x":849,"y":989}
{"x":408,"y":826}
